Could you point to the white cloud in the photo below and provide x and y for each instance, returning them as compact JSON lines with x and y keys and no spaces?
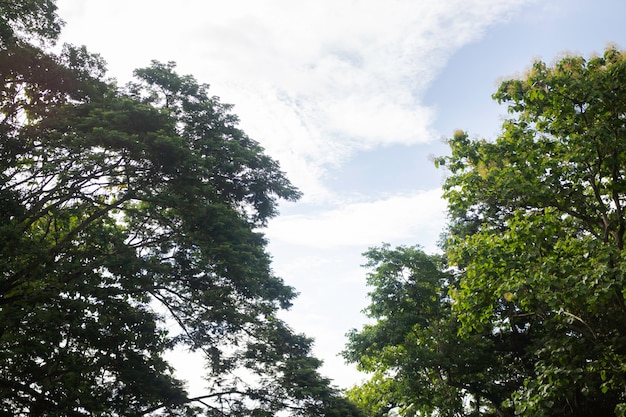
{"x":312,"y":81}
{"x":419,"y":218}
{"x":320,"y":254}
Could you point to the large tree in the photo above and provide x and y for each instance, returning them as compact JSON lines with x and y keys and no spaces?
{"x":538,"y":218}
{"x":129,"y":227}
{"x":528,"y":316}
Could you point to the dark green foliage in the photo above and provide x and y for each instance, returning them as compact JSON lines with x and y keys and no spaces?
{"x":129,"y":226}
{"x":28,"y":20}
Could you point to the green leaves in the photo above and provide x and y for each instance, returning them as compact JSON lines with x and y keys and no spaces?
{"x":130,"y":226}
{"x":538,"y":227}
{"x":28,"y":18}
{"x":532,"y":322}
{"x":418,"y":363}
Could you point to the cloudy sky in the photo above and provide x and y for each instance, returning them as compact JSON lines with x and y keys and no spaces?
{"x":353,"y":98}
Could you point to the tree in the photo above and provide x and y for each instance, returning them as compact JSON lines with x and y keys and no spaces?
{"x":419,"y":364}
{"x":129,"y":224}
{"x":537,"y":227}
{"x":526,"y":316}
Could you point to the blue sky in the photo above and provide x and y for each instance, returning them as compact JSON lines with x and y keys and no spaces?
{"x":352,"y":97}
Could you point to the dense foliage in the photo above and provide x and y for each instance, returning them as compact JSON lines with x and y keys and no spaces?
{"x":419,"y":365}
{"x":128,"y":224}
{"x":536,"y":246}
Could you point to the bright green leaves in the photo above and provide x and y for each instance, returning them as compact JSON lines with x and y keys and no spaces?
{"x":537,"y":226}
{"x":529,"y":319}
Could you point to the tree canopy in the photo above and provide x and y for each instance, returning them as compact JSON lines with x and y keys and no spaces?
{"x":418,"y":363}
{"x":536,"y":243}
{"x":28,"y":20}
{"x":130,"y":222}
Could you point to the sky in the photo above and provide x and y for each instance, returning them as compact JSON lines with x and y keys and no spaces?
{"x":353,"y":98}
